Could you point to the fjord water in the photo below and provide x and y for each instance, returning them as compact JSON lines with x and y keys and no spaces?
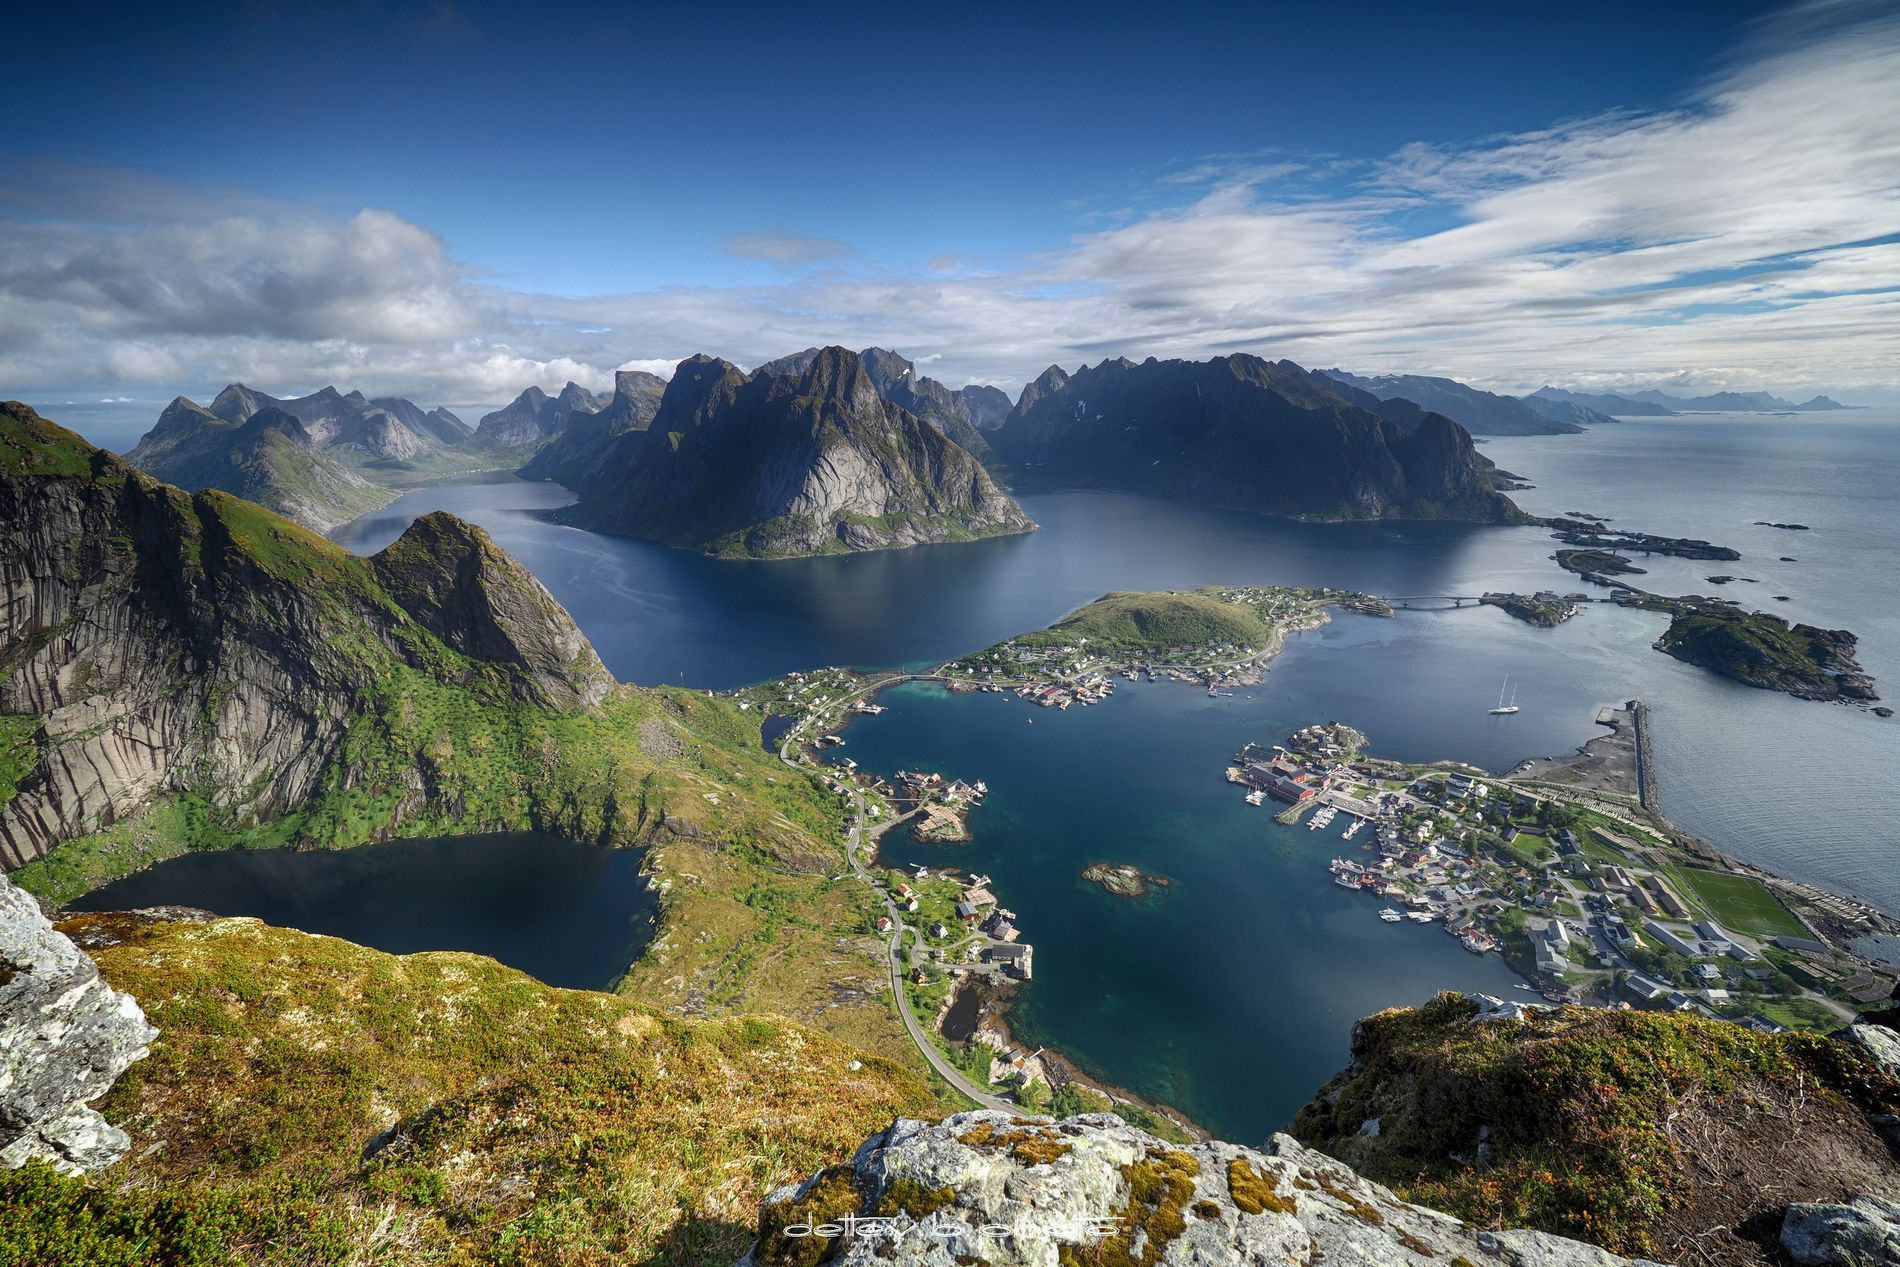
{"x":1808,"y":789}
{"x":1232,"y":993}
{"x":567,"y":914}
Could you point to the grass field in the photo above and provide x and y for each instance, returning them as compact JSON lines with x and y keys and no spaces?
{"x":1743,"y":903}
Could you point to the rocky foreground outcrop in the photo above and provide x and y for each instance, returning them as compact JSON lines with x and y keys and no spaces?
{"x":65,"y":1037}
{"x":1030,"y":1192}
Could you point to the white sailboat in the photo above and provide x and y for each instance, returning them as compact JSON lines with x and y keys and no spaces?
{"x":1505,"y":706}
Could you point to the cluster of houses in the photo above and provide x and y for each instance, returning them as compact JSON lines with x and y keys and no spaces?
{"x":1279,"y":773}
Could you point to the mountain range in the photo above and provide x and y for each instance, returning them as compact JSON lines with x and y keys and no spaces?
{"x":1247,"y":434}
{"x":803,"y":456}
{"x":321,"y":459}
{"x":1651,"y":403}
{"x":1481,"y":413}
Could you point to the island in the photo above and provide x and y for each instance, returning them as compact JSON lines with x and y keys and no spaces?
{"x":1766,"y":651}
{"x":1217,"y":636}
{"x":1595,"y":564}
{"x":1124,"y":879}
{"x":1591,"y":534}
{"x":1543,"y":609}
{"x":1763,"y":523}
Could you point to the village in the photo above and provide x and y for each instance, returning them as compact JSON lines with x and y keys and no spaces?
{"x":1593,"y":907}
{"x":1216,"y":639}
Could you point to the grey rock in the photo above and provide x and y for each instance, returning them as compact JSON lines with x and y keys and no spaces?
{"x":65,"y":1037}
{"x":1878,"y":1043}
{"x":1010,"y":1211}
{"x":1863,"y":1233}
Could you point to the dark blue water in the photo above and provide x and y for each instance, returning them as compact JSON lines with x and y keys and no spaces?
{"x":1808,"y":789}
{"x":570,"y":915}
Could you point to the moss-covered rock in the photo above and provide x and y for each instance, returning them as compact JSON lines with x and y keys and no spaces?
{"x":1639,"y":1131}
{"x":312,"y":1101}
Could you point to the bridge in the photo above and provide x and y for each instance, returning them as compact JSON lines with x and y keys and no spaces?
{"x":1456,"y":601}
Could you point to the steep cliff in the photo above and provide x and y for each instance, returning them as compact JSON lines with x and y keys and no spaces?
{"x":1651,"y":1133}
{"x":534,"y":417}
{"x":1247,"y":434}
{"x":572,"y":453}
{"x":196,"y":654}
{"x":807,"y":459}
{"x":65,"y":1037}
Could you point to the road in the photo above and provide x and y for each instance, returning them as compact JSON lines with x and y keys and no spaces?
{"x":854,"y":840}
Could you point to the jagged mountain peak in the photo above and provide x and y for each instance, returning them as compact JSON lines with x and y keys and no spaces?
{"x":452,"y":577}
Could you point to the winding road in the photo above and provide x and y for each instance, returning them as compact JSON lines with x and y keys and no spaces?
{"x":854,"y":839}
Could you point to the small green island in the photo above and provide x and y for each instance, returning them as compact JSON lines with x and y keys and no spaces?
{"x":1124,"y":879}
{"x":1545,"y":609}
{"x":1766,"y":651}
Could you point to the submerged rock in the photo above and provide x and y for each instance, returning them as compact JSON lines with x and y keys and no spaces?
{"x":65,"y":1037}
{"x":989,"y":1187}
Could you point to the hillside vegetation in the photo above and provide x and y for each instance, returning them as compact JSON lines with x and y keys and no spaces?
{"x":310,"y":1101}
{"x":1648,"y":1133}
{"x":1138,"y":621}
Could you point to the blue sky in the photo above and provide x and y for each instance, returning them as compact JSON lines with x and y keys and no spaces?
{"x":453,"y":200}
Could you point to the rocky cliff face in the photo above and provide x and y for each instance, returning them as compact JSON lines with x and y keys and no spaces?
{"x":1247,"y":434}
{"x":1029,"y":1192}
{"x":173,"y":643}
{"x":65,"y":1037}
{"x":469,"y":593}
{"x":898,"y":381}
{"x":534,"y":417}
{"x":570,"y":456}
{"x":803,"y":458}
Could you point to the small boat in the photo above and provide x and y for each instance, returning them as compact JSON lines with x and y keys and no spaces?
{"x":1346,"y":880}
{"x":1503,"y":707}
{"x":1256,"y":797}
{"x":1390,"y":916}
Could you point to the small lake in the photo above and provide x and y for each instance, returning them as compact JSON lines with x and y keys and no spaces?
{"x":568,"y":914}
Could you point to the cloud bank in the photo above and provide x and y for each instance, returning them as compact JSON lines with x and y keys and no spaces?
{"x":1749,"y":237}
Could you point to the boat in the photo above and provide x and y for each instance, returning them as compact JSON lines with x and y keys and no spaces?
{"x":1390,"y":916}
{"x":1505,"y":707}
{"x":1256,"y":797}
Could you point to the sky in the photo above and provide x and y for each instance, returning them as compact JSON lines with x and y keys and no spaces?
{"x":452,"y":201}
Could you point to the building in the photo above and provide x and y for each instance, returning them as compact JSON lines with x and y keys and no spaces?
{"x":1681,"y":945}
{"x":1015,"y":958}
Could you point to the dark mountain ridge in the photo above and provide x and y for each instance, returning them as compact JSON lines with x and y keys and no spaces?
{"x":1480,"y":412}
{"x":804,"y":456}
{"x":1247,"y":434}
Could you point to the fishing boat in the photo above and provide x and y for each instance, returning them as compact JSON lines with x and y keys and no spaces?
{"x":1505,"y":706}
{"x":1256,"y":797}
{"x":1390,"y":916}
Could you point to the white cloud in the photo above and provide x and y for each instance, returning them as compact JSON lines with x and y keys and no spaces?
{"x":1737,"y":240}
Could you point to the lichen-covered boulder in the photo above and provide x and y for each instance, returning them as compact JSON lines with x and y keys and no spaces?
{"x":1031,"y":1192}
{"x":1863,"y":1233}
{"x":65,"y":1037}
